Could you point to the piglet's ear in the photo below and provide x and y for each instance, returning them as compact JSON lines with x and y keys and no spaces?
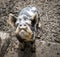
{"x":39,"y":22}
{"x":12,"y":20}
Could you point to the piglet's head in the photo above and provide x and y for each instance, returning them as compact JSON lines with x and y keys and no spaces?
{"x":23,"y":26}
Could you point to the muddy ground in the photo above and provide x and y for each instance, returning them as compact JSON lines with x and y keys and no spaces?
{"x":48,"y":44}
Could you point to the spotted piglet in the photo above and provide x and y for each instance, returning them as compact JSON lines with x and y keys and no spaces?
{"x":26,"y":24}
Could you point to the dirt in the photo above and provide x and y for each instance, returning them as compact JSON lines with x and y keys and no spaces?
{"x":49,"y":32}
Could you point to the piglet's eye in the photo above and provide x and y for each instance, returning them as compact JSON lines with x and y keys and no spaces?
{"x":25,"y":19}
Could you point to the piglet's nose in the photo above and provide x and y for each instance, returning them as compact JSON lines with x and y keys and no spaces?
{"x":22,"y":26}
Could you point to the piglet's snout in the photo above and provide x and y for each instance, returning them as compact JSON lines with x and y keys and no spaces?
{"x":23,"y":26}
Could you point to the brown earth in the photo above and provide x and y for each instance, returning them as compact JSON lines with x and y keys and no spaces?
{"x":48,"y":44}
